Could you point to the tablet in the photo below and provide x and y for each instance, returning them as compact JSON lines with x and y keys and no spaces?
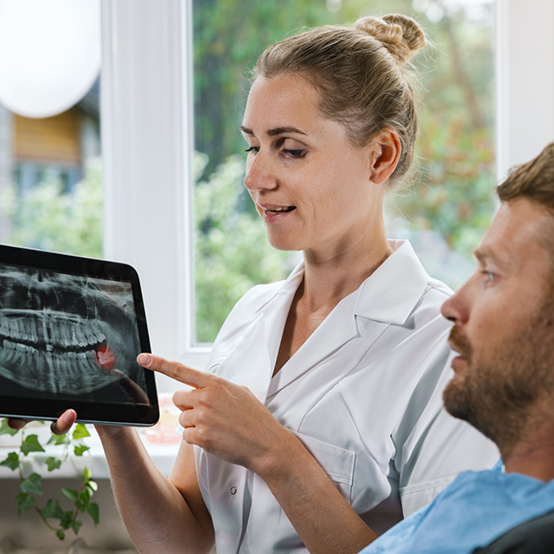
{"x":70,"y":331}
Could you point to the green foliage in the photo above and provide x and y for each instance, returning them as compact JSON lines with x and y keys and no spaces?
{"x":231,"y":252}
{"x":31,"y":485}
{"x":80,"y":432}
{"x":24,"y":502}
{"x":31,"y":444}
{"x":5,"y":430}
{"x":12,"y":461}
{"x":52,"y":463}
{"x":48,"y":219}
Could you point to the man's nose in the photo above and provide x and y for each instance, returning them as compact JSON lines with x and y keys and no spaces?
{"x":457,"y":307}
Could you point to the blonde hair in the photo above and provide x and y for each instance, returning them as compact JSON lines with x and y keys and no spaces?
{"x":360,"y":76}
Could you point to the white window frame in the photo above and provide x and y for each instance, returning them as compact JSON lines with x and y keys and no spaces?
{"x":147,"y":147}
{"x":524,"y":80}
{"x":147,"y":141}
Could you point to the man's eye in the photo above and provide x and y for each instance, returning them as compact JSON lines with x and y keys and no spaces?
{"x":489,"y":276}
{"x":252,"y":149}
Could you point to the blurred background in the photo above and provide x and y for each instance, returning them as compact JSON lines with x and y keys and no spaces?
{"x":51,"y":168}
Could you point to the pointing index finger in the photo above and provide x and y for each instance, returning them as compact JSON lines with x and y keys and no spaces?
{"x":175,"y":370}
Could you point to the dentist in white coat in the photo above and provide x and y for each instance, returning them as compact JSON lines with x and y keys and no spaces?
{"x":319,"y":422}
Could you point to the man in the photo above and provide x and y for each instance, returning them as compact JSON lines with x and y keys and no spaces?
{"x":503,"y":385}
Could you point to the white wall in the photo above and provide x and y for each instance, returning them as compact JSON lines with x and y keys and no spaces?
{"x":524,"y":80}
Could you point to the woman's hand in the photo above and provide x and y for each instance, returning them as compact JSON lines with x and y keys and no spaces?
{"x":222,"y":418}
{"x":62,"y":425}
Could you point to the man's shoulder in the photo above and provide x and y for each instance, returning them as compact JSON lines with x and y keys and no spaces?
{"x":535,"y":536}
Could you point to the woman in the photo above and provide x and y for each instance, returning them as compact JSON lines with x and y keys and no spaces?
{"x":323,"y":396}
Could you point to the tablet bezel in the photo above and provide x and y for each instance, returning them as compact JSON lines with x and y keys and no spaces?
{"x":87,"y":412}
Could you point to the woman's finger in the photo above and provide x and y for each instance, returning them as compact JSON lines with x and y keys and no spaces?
{"x":16,"y":423}
{"x":175,"y":370}
{"x":64,"y":423}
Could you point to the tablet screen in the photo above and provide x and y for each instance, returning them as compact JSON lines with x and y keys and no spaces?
{"x":70,"y":331}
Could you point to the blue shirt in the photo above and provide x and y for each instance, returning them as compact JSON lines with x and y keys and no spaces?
{"x":474,"y":510}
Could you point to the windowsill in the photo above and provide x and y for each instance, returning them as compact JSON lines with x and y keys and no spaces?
{"x":163,"y":456}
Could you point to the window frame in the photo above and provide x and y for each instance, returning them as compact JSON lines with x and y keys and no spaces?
{"x":524,"y":62}
{"x":147,"y":138}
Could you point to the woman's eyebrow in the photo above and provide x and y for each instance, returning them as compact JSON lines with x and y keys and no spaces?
{"x":274,"y":132}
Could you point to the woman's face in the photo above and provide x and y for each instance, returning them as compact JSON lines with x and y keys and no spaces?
{"x":311,"y":186}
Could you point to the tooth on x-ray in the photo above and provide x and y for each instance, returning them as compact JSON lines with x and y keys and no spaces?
{"x":64,"y":334}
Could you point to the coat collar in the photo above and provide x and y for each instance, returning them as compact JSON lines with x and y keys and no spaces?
{"x":389,"y":295}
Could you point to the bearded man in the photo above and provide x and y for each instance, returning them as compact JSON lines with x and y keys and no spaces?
{"x":503,"y":385}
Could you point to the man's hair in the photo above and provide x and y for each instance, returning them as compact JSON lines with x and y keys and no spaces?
{"x":533,"y":180}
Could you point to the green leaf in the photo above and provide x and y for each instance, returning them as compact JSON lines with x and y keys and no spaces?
{"x":31,"y":444}
{"x":58,"y":439}
{"x":5,"y":430}
{"x":12,"y":461}
{"x":93,"y":486}
{"x":52,"y":509}
{"x":94,"y":512}
{"x":80,"y":449}
{"x":32,"y":484}
{"x":53,"y":463}
{"x":24,"y":502}
{"x":80,"y":505}
{"x":86,"y":475}
{"x":80,"y":432}
{"x":60,"y":535}
{"x":76,"y":525}
{"x":70,"y":493}
{"x":65,"y":522}
{"x":85,"y":495}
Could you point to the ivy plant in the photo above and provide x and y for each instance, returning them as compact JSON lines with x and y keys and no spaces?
{"x":52,"y":514}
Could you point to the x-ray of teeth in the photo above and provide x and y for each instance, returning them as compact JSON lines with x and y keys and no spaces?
{"x":65,"y":334}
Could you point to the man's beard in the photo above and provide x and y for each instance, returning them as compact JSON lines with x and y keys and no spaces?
{"x":501,"y":393}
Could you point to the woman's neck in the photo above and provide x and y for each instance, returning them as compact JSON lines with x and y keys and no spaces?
{"x":329,"y":277}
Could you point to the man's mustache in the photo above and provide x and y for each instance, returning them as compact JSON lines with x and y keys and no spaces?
{"x":459,"y":342}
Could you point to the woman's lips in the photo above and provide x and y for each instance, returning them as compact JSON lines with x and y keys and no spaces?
{"x":272,"y":213}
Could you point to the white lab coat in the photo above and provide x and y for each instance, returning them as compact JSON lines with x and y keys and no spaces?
{"x":363,"y":393}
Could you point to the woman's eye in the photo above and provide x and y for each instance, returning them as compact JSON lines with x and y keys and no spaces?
{"x":294,"y":153}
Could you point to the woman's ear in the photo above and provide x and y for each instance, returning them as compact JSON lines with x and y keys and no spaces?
{"x":384,"y":153}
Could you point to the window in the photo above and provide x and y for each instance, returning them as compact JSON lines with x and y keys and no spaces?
{"x":147,"y":141}
{"x":50,"y":174}
{"x":445,"y":211}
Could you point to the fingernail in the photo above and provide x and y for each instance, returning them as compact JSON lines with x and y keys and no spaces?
{"x":144,"y":359}
{"x":68,"y":417}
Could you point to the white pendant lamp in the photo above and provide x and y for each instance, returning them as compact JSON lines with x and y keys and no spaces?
{"x":49,"y":54}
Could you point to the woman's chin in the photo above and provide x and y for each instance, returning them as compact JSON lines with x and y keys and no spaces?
{"x":283,"y":243}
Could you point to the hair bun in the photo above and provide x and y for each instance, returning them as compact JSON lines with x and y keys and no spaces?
{"x":400,"y":35}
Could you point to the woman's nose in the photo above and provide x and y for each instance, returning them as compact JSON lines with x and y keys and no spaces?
{"x":260,"y":174}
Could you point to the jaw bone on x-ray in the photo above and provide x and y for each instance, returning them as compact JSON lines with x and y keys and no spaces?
{"x":65,"y":334}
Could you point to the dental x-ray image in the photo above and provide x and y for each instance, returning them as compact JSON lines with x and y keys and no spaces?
{"x":64,"y":336}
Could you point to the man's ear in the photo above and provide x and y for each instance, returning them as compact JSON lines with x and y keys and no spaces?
{"x":384,"y":153}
